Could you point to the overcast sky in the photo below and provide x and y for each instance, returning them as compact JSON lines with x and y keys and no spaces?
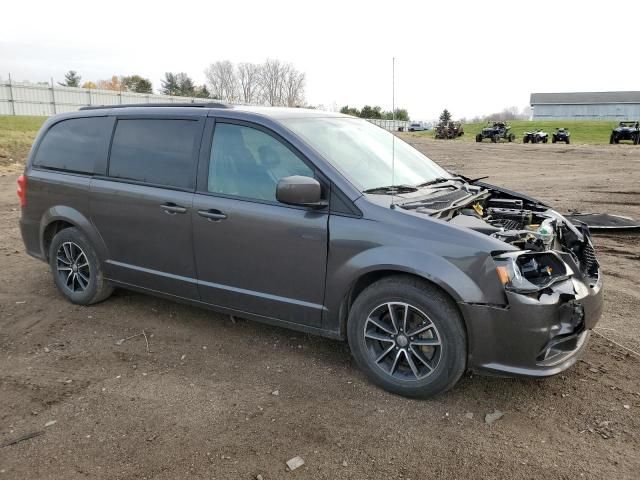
{"x":472,"y":57}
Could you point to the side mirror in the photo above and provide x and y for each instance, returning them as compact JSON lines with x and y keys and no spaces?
{"x":299,"y":190}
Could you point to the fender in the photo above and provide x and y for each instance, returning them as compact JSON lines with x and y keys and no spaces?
{"x":78,"y":220}
{"x":454,"y":276}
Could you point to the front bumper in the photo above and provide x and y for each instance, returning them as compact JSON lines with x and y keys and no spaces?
{"x":535,"y":336}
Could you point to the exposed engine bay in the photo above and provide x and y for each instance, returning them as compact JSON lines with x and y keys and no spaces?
{"x":517,"y":220}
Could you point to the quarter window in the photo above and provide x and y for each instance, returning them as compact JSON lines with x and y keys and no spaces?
{"x":157,"y":151}
{"x":246,"y":162}
{"x":75,"y":145}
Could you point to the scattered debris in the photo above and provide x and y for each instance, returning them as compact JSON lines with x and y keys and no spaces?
{"x":50,"y":423}
{"x":22,"y":438}
{"x":468,"y":415}
{"x":491,"y":418}
{"x":143,"y":334}
{"x":275,"y":392}
{"x":594,"y":370}
{"x":259,"y":477}
{"x":21,"y":302}
{"x":295,"y":462}
{"x":344,"y":463}
{"x":233,"y":319}
{"x":183,"y":357}
{"x":627,"y":406}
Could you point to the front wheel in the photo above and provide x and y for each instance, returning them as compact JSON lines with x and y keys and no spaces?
{"x":479,"y":137}
{"x":77,"y":271}
{"x":495,"y":138}
{"x":408,"y":337}
{"x":567,"y":141}
{"x":525,"y":139}
{"x":612,"y":139}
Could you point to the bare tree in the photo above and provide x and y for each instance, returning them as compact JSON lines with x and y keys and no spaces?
{"x":271,"y":80}
{"x":294,"y":87}
{"x":249,"y":81}
{"x":223,"y":81}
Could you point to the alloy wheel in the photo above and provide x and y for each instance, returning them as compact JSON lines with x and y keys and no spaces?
{"x":402,"y":341}
{"x":73,"y":267}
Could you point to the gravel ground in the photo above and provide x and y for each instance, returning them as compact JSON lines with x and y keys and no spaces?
{"x":216,"y":399}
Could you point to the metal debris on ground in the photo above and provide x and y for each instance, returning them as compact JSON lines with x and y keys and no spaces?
{"x":491,"y":418}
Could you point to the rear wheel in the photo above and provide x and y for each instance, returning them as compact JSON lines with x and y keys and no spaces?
{"x":77,"y":271}
{"x":636,"y":139}
{"x":567,"y":141}
{"x":545,"y":140}
{"x":613,"y":139}
{"x":525,"y":139}
{"x":553,"y":139}
{"x":407,"y":337}
{"x":495,"y":138}
{"x":479,"y":137}
{"x":512,"y":137}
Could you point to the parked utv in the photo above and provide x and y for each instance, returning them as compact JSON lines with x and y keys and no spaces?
{"x":626,"y":131}
{"x":449,"y":130}
{"x":288,"y":217}
{"x":536,"y":136}
{"x":561,"y":135}
{"x":495,"y":132}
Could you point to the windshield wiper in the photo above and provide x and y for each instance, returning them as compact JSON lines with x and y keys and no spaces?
{"x":392,"y":189}
{"x":437,"y":180}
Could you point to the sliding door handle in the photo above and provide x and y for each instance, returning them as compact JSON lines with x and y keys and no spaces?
{"x":172,"y":208}
{"x":212,"y":214}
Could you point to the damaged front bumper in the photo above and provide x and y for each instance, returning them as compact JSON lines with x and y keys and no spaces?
{"x":534,"y":334}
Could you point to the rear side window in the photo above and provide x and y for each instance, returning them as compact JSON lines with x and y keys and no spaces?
{"x":76,"y":145}
{"x":157,"y":151}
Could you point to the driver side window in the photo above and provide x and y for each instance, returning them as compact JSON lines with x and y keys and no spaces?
{"x":246,"y":162}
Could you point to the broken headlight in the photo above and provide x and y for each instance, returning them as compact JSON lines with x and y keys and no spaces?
{"x":527,"y":272}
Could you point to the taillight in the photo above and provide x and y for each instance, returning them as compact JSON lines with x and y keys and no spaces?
{"x":22,"y":190}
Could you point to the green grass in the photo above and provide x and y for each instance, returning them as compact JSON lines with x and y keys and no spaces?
{"x":16,"y":137}
{"x":582,"y":132}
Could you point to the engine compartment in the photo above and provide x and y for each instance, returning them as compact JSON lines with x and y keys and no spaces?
{"x":516,"y":220}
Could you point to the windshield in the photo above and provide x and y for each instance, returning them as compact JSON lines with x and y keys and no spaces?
{"x":362,"y":152}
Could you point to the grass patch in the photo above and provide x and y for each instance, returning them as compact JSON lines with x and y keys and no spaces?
{"x":584,"y":132}
{"x":16,"y":136}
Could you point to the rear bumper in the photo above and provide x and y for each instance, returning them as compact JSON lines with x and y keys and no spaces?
{"x":30,"y":232}
{"x":534,"y":337}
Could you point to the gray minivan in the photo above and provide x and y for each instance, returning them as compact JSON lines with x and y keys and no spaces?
{"x":296,"y":218}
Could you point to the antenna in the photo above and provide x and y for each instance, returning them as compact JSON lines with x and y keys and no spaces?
{"x":393,"y":135}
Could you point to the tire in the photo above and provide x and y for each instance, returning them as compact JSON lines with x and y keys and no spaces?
{"x":495,"y":138}
{"x":479,"y":137}
{"x":567,"y":141}
{"x":76,"y":268}
{"x":525,"y":139}
{"x":545,"y":140}
{"x":636,"y":139}
{"x":426,"y":305}
{"x":612,"y":139}
{"x":553,"y":139}
{"x":512,"y":137}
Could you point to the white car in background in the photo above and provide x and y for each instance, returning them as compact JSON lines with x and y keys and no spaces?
{"x":418,"y":127}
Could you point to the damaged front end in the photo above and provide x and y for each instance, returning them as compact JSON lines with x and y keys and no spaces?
{"x":552,"y":281}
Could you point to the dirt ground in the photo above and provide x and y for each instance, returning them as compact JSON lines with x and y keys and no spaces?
{"x":202,"y":402}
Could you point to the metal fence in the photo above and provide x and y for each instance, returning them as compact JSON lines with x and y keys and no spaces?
{"x":46,"y":100}
{"x":50,"y":99}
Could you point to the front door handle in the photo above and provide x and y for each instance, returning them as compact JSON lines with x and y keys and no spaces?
{"x":172,"y":208}
{"x":212,"y":214}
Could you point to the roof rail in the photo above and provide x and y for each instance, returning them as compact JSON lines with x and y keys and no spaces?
{"x":184,"y":104}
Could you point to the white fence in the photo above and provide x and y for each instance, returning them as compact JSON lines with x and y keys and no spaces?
{"x":46,"y":100}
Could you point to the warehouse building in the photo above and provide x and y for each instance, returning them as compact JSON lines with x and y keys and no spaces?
{"x":586,"y":106}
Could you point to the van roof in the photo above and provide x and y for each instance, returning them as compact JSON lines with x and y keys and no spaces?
{"x":272,"y":112}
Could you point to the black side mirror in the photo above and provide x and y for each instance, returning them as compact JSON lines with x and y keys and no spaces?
{"x":299,"y":190}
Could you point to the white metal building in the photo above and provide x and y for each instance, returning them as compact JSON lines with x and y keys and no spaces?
{"x":586,"y":106}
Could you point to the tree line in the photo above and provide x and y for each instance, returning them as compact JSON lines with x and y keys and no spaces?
{"x":376,"y":112}
{"x":272,"y":82}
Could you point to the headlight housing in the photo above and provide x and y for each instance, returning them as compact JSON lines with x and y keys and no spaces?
{"x":528,"y":272}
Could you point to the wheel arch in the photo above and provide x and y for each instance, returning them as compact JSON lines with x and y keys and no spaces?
{"x":60,"y":217}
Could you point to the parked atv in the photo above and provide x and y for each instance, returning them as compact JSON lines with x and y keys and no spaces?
{"x":449,"y":130}
{"x":626,"y":131}
{"x":495,"y":132}
{"x":536,"y":136}
{"x":561,"y":135}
